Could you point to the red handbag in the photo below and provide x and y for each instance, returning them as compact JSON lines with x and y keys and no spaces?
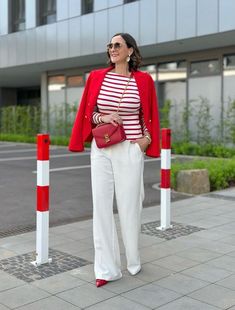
{"x":107,"y":134}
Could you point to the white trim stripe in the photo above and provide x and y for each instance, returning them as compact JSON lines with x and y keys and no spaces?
{"x":165,"y":207}
{"x":42,"y":172}
{"x":42,"y":237}
{"x":166,"y":159}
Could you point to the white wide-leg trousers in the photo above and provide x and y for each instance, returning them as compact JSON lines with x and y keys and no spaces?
{"x":117,"y":168}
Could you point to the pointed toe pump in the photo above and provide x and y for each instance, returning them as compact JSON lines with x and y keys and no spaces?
{"x":100,"y":282}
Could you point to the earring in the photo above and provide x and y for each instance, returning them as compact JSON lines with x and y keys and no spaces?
{"x":128,"y":58}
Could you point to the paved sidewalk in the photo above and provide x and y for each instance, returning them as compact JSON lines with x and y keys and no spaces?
{"x":191,"y":266}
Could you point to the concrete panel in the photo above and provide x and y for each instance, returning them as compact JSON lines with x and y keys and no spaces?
{"x":21,"y":47}
{"x":75,"y":37}
{"x":148,"y":22}
{"x":30,"y":46}
{"x":115,"y":21}
{"x":3,"y":17}
{"x":63,"y":39}
{"x":4,"y":51}
{"x":41,"y":43}
{"x":131,"y":19}
{"x":186,"y":19}
{"x":207,"y":17}
{"x":166,"y":13}
{"x":87,"y":34}
{"x":226,"y":15}
{"x":12,"y":48}
{"x":30,"y":14}
{"x":62,"y":9}
{"x":51,"y":35}
{"x":101,"y":31}
{"x":112,"y":3}
{"x":74,"y":8}
{"x":100,"y":5}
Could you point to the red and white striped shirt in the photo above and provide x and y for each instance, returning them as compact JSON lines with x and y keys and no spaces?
{"x":130,"y":110}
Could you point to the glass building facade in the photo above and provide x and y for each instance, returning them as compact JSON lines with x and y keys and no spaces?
{"x":48,"y":48}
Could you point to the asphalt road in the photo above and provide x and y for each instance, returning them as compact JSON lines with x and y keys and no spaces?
{"x":70,"y":186}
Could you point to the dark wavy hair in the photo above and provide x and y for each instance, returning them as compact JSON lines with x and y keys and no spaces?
{"x":135,"y":58}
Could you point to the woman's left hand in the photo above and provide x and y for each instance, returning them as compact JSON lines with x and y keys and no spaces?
{"x":143,"y":143}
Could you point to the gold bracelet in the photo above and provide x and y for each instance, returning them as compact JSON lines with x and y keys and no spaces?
{"x":149,"y":139}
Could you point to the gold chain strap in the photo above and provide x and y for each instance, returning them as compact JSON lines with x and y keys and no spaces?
{"x":128,"y":82}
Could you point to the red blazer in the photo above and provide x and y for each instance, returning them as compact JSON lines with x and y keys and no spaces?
{"x":82,"y":127}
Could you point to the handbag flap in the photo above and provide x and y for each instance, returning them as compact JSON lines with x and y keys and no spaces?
{"x":105,"y":129}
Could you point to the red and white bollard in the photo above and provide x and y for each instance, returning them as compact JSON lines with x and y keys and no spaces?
{"x":165,"y":180}
{"x":42,"y":233}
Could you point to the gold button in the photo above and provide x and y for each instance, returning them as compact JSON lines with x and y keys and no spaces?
{"x":85,"y":116}
{"x":150,"y":120}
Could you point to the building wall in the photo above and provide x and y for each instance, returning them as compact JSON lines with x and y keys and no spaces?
{"x":167,"y":31}
{"x":149,"y":21}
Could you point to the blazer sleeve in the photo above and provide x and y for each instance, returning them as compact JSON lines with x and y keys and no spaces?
{"x":76,"y":143}
{"x":154,"y":148}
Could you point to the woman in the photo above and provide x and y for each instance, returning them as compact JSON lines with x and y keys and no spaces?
{"x":118,"y":168}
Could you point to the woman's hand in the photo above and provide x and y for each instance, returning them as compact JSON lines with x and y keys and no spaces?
{"x":143,"y":143}
{"x":112,"y":118}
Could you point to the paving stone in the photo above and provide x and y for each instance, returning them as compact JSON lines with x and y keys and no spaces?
{"x":198,"y":254}
{"x":85,"y":273}
{"x":224,"y":262}
{"x":126,"y":283}
{"x":150,"y":273}
{"x":3,"y":307}
{"x":58,"y":283}
{"x":181,"y":284}
{"x":7,"y":281}
{"x":207,"y":273}
{"x":215,"y":295}
{"x":177,"y":230}
{"x":49,"y":303}
{"x":230,"y":239}
{"x":20,"y":266}
{"x":85,"y":295}
{"x":231,"y":254}
{"x":175,"y":263}
{"x":151,"y":295}
{"x":4,"y":253}
{"x":21,"y":296}
{"x":218,"y":246}
{"x":229,"y":282}
{"x":117,"y":303}
{"x":186,"y":303}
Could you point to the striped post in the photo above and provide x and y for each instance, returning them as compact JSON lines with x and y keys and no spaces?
{"x":42,"y":233}
{"x":165,"y":179}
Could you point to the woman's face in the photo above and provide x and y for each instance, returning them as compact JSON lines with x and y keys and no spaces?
{"x":118,"y":50}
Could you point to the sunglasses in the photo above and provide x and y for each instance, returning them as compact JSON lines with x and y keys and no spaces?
{"x":116,"y":46}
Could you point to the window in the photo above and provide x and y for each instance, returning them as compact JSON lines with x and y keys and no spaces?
{"x":47,"y":11}
{"x":17,"y":15}
{"x":75,"y":81}
{"x":205,"y":68}
{"x":56,"y":83}
{"x":229,"y":65}
{"x":87,"y":6}
{"x":172,"y":71}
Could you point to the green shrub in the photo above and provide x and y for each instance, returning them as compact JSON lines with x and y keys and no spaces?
{"x":211,"y":150}
{"x":221,"y":171}
{"x":20,"y":120}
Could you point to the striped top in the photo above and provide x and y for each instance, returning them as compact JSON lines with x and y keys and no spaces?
{"x":130,"y":110}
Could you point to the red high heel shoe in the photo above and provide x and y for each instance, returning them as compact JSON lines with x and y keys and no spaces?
{"x":100,"y":282}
